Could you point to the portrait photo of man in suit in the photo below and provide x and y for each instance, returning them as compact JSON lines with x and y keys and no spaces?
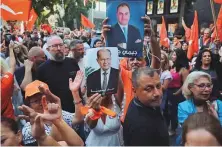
{"x":105,"y":79}
{"x":160,"y":7}
{"x":122,"y":34}
{"x":174,"y":6}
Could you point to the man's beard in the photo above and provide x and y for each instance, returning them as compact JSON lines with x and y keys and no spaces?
{"x":59,"y":57}
{"x":78,"y":56}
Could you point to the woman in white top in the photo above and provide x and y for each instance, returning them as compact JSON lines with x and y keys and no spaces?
{"x":105,"y":131}
{"x":165,"y":77}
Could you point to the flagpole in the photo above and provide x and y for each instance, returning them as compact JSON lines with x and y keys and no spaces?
{"x":92,"y":10}
{"x":214,"y":17}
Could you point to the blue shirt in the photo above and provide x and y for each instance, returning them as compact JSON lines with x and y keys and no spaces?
{"x":187,"y":108}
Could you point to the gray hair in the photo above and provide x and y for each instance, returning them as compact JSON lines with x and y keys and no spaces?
{"x":191,"y":78}
{"x":138,"y":72}
{"x":49,"y":40}
{"x":66,"y":31}
{"x":74,"y":42}
{"x":67,"y":42}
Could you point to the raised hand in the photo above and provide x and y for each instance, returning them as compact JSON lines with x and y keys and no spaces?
{"x":105,"y":28}
{"x":148,"y":31}
{"x":11,"y":45}
{"x":28,"y":64}
{"x":94,"y":101}
{"x":52,"y":111}
{"x":37,"y":126}
{"x":211,"y":109}
{"x":75,"y":85}
{"x":50,"y":97}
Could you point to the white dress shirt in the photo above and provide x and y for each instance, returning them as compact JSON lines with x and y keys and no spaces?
{"x":102,"y":76}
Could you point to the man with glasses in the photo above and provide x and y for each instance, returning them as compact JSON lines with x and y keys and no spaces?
{"x":57,"y":71}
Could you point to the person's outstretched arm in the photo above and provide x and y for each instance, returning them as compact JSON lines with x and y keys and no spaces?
{"x":155,"y":48}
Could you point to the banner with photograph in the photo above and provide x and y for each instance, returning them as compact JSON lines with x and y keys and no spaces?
{"x":149,"y":8}
{"x":171,"y":29}
{"x":173,"y":6}
{"x":101,"y":70}
{"x":127,"y":27}
{"x":160,"y":7}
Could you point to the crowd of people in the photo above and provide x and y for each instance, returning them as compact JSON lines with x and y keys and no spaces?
{"x":160,"y":96}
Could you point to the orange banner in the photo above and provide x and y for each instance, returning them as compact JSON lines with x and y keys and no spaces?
{"x":15,"y":9}
{"x":164,"y":41}
{"x":86,"y":22}
{"x":32,"y":18}
{"x":193,"y":43}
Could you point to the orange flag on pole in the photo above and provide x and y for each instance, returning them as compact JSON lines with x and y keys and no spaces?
{"x":32,"y":18}
{"x":219,"y":26}
{"x":164,"y":41}
{"x":15,"y":9}
{"x":193,"y":43}
{"x":86,"y":22}
{"x":218,"y":1}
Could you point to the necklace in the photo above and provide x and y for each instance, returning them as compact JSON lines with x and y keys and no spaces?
{"x":119,"y":115}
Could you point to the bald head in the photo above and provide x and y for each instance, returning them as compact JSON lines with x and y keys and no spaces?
{"x":35,"y":51}
{"x":54,"y":40}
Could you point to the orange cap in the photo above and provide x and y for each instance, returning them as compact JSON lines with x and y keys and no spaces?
{"x":33,"y":88}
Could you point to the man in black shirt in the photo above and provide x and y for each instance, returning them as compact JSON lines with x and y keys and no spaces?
{"x":57,"y":71}
{"x":144,"y":124}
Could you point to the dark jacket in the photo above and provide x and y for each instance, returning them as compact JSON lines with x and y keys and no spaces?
{"x":94,"y":82}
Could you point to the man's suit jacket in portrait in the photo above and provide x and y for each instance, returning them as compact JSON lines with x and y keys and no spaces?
{"x":94,"y":82}
{"x":134,"y":42}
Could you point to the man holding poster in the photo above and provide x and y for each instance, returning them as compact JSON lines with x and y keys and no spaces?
{"x":123,"y":35}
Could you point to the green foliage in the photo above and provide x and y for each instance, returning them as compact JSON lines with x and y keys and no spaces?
{"x":73,"y":9}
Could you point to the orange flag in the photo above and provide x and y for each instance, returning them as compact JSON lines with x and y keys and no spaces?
{"x":164,"y":41}
{"x":193,"y":43}
{"x":219,"y":26}
{"x":86,"y":22}
{"x":15,"y":9}
{"x":32,"y":18}
{"x":218,"y":1}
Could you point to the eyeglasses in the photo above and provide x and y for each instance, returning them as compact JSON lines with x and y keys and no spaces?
{"x":204,"y":85}
{"x":138,"y":59}
{"x":56,"y":45}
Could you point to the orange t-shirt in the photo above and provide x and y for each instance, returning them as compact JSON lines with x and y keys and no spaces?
{"x":7,"y":84}
{"x":126,"y":76}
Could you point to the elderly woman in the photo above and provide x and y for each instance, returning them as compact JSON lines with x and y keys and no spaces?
{"x":197,"y":89}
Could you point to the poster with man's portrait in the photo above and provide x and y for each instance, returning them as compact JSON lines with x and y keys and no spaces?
{"x":127,"y":27}
{"x":160,"y":7}
{"x":173,"y":6}
{"x":101,"y":70}
{"x":171,"y":29}
{"x":149,"y":8}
